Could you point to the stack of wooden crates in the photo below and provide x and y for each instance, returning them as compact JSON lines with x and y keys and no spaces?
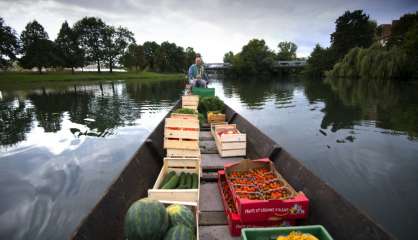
{"x":181,"y":141}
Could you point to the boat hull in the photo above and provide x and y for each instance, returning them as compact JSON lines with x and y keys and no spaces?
{"x":328,"y":208}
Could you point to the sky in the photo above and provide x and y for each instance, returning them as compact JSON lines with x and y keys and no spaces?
{"x":210,"y":27}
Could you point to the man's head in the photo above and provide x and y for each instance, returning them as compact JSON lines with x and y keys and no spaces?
{"x":198,"y":61}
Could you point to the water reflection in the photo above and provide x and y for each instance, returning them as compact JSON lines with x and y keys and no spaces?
{"x":63,"y":144}
{"x":388,"y":104}
{"x":359,"y":137}
{"x":255,"y":93}
{"x":98,"y":109}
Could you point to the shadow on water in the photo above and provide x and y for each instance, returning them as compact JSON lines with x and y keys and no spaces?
{"x":62,"y":144}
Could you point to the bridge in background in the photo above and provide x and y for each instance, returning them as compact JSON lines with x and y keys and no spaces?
{"x":217,"y":66}
{"x":278,"y":64}
{"x":290,"y":64}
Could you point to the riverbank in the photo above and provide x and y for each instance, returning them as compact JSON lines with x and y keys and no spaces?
{"x":86,"y":76}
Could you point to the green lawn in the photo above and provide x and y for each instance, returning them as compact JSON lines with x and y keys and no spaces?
{"x":83,"y":76}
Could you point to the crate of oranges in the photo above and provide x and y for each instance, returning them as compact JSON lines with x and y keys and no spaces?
{"x":261,"y":194}
{"x":234,"y":220}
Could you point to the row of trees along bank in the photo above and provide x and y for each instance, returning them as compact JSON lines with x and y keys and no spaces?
{"x":356,"y":51}
{"x":88,"y":41}
{"x":256,"y":58}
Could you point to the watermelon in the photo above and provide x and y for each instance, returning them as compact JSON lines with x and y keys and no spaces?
{"x":179,"y":232}
{"x":146,"y":219}
{"x":179,"y":214}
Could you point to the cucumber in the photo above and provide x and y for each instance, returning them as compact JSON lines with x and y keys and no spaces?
{"x":167,"y":178}
{"x":195,"y":181}
{"x":172,"y":183}
{"x":188,"y":181}
{"x":182,"y":182}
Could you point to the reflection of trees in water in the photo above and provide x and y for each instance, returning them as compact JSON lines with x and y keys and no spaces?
{"x":16,"y":120}
{"x":154,"y":92}
{"x":256,"y":92}
{"x":109,"y":105}
{"x":337,"y":114}
{"x":390,"y":105}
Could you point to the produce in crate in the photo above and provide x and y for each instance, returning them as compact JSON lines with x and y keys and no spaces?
{"x":235,"y":223}
{"x":146,"y":219}
{"x":179,"y":232}
{"x":207,"y":104}
{"x":180,"y":214}
{"x":259,"y":184}
{"x":182,"y":181}
{"x":297,"y":236}
{"x":261,"y":194}
{"x":185,"y":111}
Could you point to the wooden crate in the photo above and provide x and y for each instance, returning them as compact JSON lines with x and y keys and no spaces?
{"x":216,"y":117}
{"x":186,"y":153}
{"x":178,"y":165}
{"x":181,"y":133}
{"x":184,"y":116}
{"x":229,"y":145}
{"x":190,"y":101}
{"x":181,"y":128}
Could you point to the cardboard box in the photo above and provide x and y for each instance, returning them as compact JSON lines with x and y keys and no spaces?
{"x":295,"y":207}
{"x":235,"y":223}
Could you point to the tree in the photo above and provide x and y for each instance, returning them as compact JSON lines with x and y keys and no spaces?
{"x":353,"y":29}
{"x":254,"y":58}
{"x":115,"y":42}
{"x":190,"y":57}
{"x":229,"y":57}
{"x":90,"y":32}
{"x":170,"y":58}
{"x":320,"y":60}
{"x":400,"y":28}
{"x":9,"y":45}
{"x":134,"y":57}
{"x":150,"y":52}
{"x":287,"y":51}
{"x":69,"y":51}
{"x":37,"y":49}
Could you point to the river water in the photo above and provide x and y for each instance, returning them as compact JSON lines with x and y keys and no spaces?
{"x":61,"y":144}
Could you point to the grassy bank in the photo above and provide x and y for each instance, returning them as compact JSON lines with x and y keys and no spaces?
{"x":85,"y":76}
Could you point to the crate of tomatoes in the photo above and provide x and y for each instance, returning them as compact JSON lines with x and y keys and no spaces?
{"x":260,"y":193}
{"x":234,"y":220}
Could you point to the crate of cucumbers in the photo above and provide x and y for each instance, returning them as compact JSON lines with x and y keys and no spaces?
{"x":178,"y":180}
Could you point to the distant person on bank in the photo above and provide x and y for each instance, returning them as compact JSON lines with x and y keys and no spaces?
{"x":197,"y":74}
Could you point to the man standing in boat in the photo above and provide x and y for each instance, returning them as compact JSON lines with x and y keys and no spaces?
{"x":197,"y":74}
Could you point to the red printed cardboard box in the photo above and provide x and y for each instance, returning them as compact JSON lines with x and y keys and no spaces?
{"x":234,"y":221}
{"x":295,"y":206}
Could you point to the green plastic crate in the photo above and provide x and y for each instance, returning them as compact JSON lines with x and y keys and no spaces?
{"x":272,"y":233}
{"x":203,"y":92}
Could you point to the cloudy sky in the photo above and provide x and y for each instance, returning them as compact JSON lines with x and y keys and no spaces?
{"x":210,"y":27}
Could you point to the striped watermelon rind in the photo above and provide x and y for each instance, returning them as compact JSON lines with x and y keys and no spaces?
{"x":179,"y":232}
{"x":146,"y":219}
{"x":180,"y":214}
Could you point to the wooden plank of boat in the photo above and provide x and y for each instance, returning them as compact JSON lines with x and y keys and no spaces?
{"x":214,"y":162}
{"x":327,"y":207}
{"x":217,"y":232}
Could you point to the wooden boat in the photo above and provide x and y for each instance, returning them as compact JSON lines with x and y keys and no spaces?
{"x":327,"y":207}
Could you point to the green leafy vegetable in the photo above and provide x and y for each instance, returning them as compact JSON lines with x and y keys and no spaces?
{"x":208,"y":104}
{"x":185,"y":111}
